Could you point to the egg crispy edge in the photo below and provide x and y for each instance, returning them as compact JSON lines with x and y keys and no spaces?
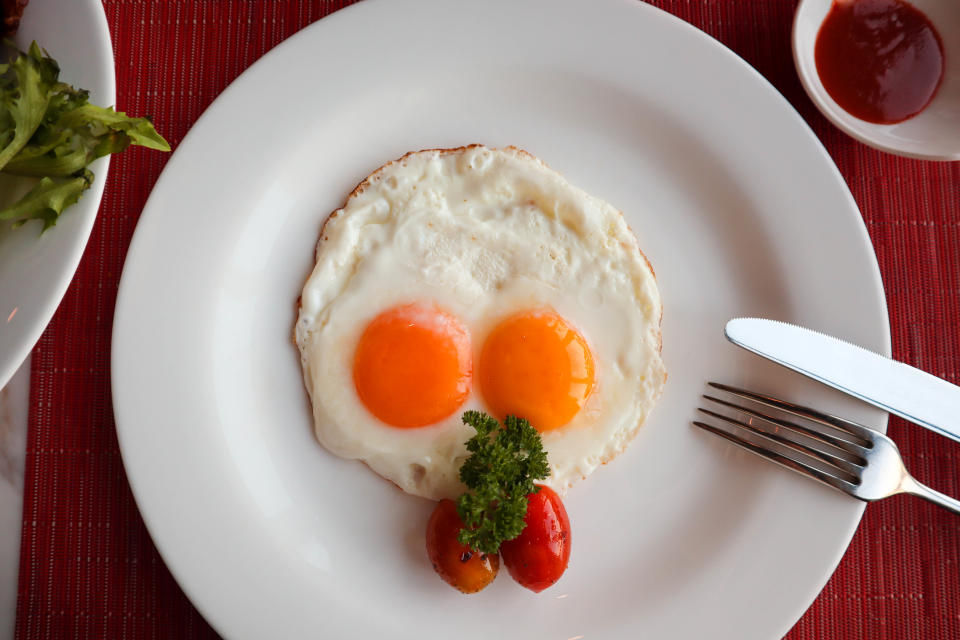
{"x":372,"y":177}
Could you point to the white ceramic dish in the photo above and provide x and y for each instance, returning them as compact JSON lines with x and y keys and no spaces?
{"x":35,"y":268}
{"x":683,"y":536}
{"x":934,"y":133}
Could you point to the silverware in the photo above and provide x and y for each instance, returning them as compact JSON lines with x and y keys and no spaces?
{"x":893,"y":386}
{"x":842,"y":454}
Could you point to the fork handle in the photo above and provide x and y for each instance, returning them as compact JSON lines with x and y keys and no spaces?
{"x":911,"y":486}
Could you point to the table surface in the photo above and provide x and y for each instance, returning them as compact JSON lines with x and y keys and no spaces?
{"x":14,"y":402}
{"x":900,"y":577}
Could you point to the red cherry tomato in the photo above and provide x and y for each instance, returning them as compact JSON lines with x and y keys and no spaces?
{"x":539,"y":556}
{"x":466,"y":569}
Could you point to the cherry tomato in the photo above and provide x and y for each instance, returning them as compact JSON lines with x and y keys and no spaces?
{"x":539,"y":556}
{"x":466,"y":569}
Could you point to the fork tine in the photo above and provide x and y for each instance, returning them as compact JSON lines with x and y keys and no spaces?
{"x":822,"y":443}
{"x":845,"y":430}
{"x":836,"y":466}
{"x":782,"y":454}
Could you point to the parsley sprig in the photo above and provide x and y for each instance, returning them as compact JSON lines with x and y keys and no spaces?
{"x":499,"y":474}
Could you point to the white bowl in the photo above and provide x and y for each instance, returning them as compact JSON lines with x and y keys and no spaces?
{"x":934,"y":133}
{"x":35,"y":268}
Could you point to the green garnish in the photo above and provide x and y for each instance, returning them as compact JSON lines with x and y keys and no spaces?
{"x":48,"y":130}
{"x":499,"y":474}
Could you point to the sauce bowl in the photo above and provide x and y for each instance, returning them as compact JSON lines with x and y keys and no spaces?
{"x":932,"y":134}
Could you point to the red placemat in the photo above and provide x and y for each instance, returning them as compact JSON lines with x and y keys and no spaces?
{"x":88,"y":568}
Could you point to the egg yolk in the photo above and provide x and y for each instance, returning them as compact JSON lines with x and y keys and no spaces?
{"x":536,"y":366}
{"x":412,"y":366}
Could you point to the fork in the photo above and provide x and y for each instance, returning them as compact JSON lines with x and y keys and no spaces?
{"x":845,"y":455}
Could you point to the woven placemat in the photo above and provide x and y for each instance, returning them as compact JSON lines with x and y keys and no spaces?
{"x":88,"y":568}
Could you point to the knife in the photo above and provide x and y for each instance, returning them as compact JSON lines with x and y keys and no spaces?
{"x":893,"y":386}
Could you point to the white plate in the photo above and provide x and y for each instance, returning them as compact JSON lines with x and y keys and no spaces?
{"x":735,"y":201}
{"x":35,"y":268}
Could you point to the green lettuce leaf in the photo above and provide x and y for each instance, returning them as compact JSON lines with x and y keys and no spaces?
{"x":79,"y":137}
{"x":139,"y":130}
{"x":47,"y":200}
{"x":49,"y":130}
{"x":24,"y":96}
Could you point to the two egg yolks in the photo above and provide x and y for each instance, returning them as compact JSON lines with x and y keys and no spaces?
{"x":413,"y":367}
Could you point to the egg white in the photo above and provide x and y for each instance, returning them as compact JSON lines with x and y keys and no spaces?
{"x":482,"y":233}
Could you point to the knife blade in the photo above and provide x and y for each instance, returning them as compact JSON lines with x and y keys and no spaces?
{"x":893,"y":386}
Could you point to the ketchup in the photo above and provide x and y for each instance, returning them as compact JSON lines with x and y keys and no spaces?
{"x":881,"y":60}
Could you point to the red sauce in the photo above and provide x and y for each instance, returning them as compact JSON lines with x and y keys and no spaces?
{"x":881,"y":60}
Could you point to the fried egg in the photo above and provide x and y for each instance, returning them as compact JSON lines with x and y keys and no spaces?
{"x":477,"y":278}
